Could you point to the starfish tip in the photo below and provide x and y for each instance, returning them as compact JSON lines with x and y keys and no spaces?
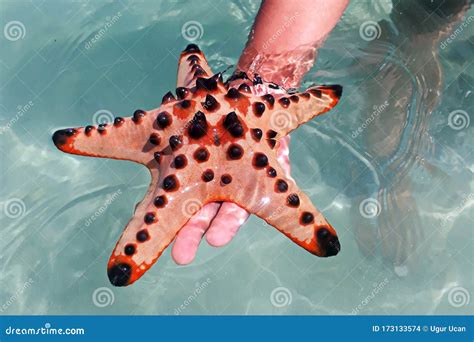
{"x":61,"y":136}
{"x":337,"y":90}
{"x":192,"y":48}
{"x":328,"y":242}
{"x":119,"y":274}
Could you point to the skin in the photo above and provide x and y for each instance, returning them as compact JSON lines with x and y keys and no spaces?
{"x":298,"y":36}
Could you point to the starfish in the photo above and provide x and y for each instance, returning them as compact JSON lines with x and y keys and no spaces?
{"x":209,"y":143}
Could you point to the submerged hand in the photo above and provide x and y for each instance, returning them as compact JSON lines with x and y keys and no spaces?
{"x":219,"y":222}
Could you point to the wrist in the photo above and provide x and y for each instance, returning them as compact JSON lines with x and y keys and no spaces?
{"x":286,"y":69}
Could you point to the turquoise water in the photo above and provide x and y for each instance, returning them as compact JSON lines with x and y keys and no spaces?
{"x":391,"y":167}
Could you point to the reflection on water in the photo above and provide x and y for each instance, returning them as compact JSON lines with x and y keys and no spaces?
{"x":390,"y":167}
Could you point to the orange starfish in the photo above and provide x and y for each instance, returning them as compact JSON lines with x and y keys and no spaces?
{"x":211,"y":143}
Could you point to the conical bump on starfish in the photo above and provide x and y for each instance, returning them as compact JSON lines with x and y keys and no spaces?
{"x":208,"y":143}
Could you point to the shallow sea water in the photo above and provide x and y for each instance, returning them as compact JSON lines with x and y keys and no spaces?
{"x":390,"y":168}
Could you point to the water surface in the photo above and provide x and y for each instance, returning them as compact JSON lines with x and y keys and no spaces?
{"x":390,"y":168}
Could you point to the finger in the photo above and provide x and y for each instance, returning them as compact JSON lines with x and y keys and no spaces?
{"x":188,"y":239}
{"x":283,"y":155}
{"x":226,"y":224}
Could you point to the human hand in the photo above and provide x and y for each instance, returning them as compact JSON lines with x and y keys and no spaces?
{"x":283,"y":59}
{"x":219,"y":222}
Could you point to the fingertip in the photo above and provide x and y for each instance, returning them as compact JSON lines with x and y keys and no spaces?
{"x":217,"y":238}
{"x":186,"y":244}
{"x":189,"y":237}
{"x":226,"y":224}
{"x":181,"y":256}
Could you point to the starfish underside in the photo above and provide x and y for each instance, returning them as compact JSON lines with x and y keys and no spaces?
{"x":210,"y":143}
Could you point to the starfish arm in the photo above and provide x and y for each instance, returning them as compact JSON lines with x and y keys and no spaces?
{"x":126,"y":139}
{"x":282,"y":204}
{"x":289,"y":112}
{"x":166,"y":208}
{"x":192,"y":64}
